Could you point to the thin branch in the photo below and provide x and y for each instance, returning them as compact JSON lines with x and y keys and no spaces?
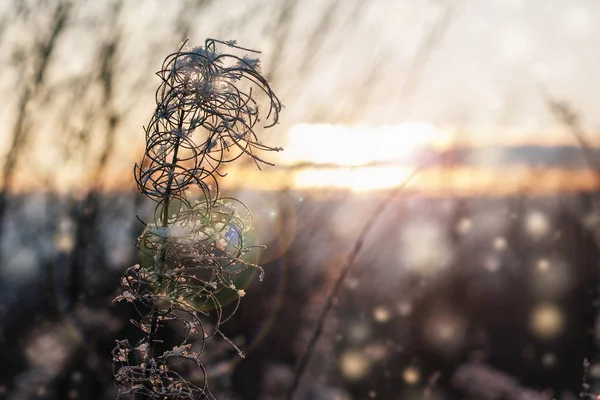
{"x":21,"y":131}
{"x":563,"y":112}
{"x":337,"y":287}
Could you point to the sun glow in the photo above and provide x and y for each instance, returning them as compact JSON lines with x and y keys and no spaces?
{"x":356,"y":146}
{"x":357,"y":179}
{"x":337,"y":156}
{"x":363,"y":159}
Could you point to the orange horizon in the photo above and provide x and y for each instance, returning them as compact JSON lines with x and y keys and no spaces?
{"x":429,"y":181}
{"x":362,"y":158}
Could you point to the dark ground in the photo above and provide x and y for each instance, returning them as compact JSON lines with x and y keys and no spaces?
{"x":58,"y":324}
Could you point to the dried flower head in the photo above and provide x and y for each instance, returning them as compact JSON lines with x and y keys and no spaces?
{"x":206,"y":114}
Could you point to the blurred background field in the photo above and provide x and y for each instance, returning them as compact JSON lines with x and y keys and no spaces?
{"x":479,"y":281}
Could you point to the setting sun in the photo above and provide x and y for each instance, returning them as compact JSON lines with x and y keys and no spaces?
{"x":356,"y":179}
{"x":353,"y":146}
{"x":341,"y":156}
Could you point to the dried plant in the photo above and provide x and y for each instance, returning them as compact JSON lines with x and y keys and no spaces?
{"x":194,"y":247}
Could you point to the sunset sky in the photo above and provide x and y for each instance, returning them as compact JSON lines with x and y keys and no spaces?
{"x":400,"y":74}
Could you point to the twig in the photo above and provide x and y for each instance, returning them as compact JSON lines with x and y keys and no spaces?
{"x":335,"y":290}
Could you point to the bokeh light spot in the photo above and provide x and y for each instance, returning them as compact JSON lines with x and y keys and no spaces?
{"x":381,"y":314}
{"x":354,"y":365}
{"x":547,"y":321}
{"x":411,"y":375}
{"x":537,"y":225}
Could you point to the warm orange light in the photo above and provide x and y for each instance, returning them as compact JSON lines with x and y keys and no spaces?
{"x":348,"y":151}
{"x":358,"y":145}
{"x":356,"y":179}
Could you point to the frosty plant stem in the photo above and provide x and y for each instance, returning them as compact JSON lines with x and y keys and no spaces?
{"x":194,"y":247}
